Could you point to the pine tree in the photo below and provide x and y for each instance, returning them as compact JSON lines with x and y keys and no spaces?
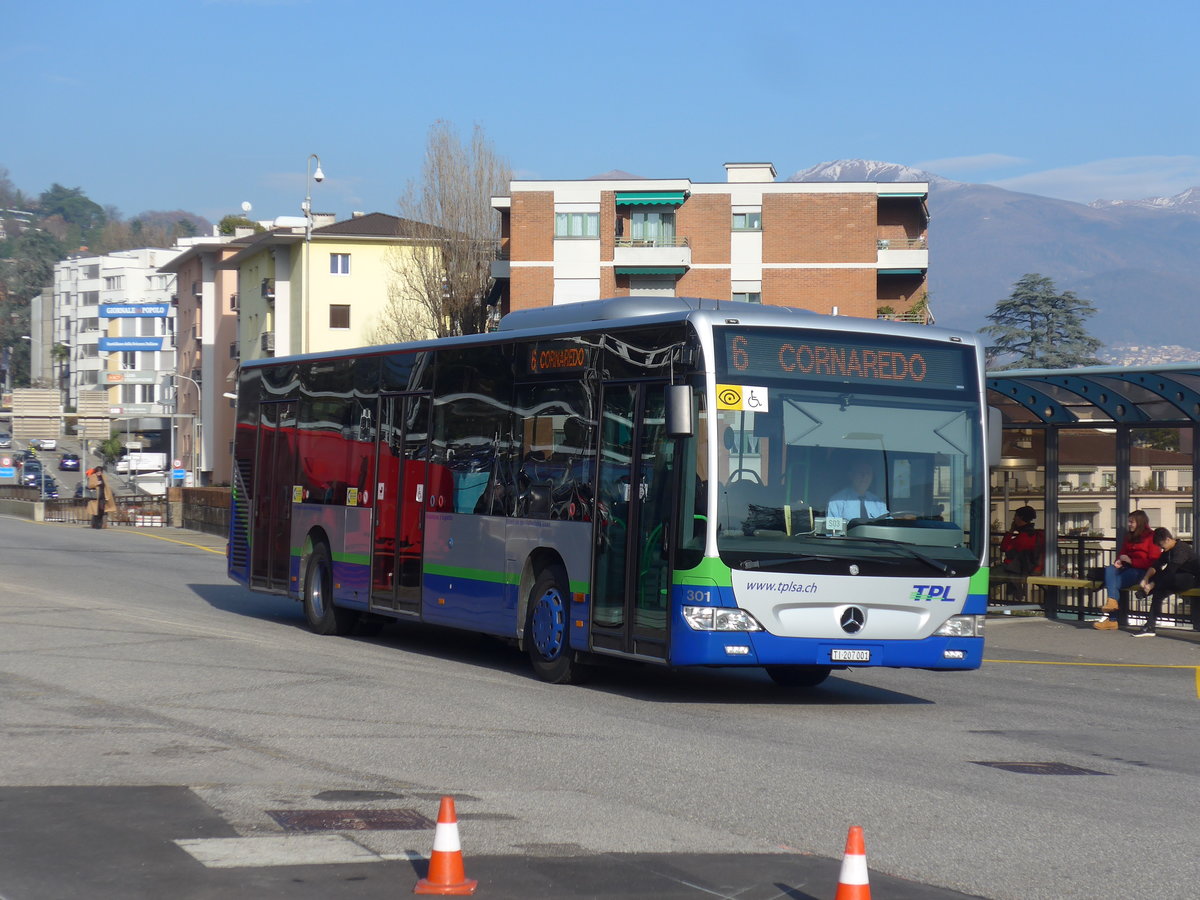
{"x":1036,"y":327}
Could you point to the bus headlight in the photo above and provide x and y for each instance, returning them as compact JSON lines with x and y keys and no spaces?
{"x":719,"y":618}
{"x":961,"y":626}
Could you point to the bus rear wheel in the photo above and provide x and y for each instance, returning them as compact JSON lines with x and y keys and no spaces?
{"x":323,"y":617}
{"x":546,"y":628}
{"x":798,"y":676}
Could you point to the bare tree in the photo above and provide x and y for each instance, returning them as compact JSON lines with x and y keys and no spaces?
{"x":449,"y":212}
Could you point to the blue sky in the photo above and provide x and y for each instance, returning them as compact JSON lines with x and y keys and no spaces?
{"x":203,"y":104}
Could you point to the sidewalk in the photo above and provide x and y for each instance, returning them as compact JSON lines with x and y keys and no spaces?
{"x":1032,"y":638}
{"x":199,"y":539}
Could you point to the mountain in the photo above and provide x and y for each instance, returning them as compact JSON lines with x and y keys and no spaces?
{"x":1136,"y":262}
{"x":1186,"y":201}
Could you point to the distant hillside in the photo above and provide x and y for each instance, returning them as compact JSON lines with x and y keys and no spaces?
{"x":1137,"y":262}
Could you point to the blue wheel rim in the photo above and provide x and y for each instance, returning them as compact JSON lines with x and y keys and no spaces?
{"x":549,"y":624}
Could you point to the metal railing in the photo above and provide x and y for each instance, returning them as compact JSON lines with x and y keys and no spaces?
{"x":651,"y":242}
{"x":1078,"y":556}
{"x":902,"y":244}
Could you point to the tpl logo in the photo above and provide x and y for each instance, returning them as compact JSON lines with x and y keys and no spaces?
{"x":931,"y":592}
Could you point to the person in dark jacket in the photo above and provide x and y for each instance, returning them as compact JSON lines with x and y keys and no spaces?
{"x":1177,"y":569}
{"x":1023,"y":548}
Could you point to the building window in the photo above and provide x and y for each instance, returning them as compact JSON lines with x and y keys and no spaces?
{"x":339,"y":263}
{"x":1183,"y":521}
{"x":751,"y":221}
{"x":339,"y":315}
{"x":581,"y":225}
{"x":114,"y":282}
{"x":748,"y":297}
{"x":653,"y":225}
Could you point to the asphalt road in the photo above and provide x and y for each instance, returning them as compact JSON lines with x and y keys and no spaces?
{"x":167,"y":733}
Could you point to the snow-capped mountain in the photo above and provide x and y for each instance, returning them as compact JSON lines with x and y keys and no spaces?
{"x":868,"y":170}
{"x":1187,"y":201}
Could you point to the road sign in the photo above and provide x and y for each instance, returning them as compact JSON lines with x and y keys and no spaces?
{"x":179,"y":474}
{"x":132,"y":377}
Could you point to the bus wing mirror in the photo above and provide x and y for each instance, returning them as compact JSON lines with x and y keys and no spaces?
{"x":679,"y":410}
{"x":995,"y":431}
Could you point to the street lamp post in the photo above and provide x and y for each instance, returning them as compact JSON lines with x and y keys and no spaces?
{"x":318,"y":176}
{"x":195,"y":447}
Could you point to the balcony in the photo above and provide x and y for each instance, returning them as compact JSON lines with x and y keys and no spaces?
{"x":501,"y":265}
{"x":902,"y":253}
{"x":268,"y":288}
{"x":658,"y":252}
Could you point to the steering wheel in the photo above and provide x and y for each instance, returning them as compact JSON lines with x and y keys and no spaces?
{"x":738,"y":475}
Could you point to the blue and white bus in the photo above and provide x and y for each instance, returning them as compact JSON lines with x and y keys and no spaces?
{"x":649,"y":478}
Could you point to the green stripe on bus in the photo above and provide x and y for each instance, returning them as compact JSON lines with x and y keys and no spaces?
{"x":473,"y":574}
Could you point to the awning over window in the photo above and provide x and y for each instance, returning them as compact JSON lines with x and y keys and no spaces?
{"x":901,"y":271}
{"x":651,"y":198}
{"x":649,"y":270}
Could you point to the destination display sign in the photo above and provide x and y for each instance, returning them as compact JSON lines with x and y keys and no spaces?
{"x":556,"y":357}
{"x":865,"y":359}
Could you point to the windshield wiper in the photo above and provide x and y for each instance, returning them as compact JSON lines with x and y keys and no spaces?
{"x":783,"y":561}
{"x":942,"y":567}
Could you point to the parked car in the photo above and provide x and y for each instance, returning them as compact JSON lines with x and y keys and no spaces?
{"x":69,"y":462}
{"x":44,"y":444}
{"x":5,"y":440}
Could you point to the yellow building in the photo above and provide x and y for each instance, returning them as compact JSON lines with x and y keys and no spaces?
{"x":331,"y":289}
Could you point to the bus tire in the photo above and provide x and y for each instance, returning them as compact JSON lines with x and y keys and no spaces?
{"x":323,"y":617}
{"x":546,"y":628}
{"x":798,"y":676}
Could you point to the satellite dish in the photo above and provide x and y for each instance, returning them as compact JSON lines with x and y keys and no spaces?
{"x":246,"y":207}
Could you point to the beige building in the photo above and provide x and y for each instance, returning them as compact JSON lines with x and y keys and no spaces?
{"x":206,"y":352}
{"x":302,"y":293}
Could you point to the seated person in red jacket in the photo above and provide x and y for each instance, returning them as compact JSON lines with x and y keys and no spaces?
{"x":1023,"y":547}
{"x":1134,"y":559}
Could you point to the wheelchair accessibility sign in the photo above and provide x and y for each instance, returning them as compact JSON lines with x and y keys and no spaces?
{"x":742,"y":397}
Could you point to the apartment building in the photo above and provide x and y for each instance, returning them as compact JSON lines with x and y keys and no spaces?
{"x":207,"y":352}
{"x":328,"y":290}
{"x":853,"y":249}
{"x":113,"y":313}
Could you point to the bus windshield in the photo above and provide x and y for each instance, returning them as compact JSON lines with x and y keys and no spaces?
{"x":814,"y":474}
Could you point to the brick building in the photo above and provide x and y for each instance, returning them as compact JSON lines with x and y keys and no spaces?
{"x":857,"y":249}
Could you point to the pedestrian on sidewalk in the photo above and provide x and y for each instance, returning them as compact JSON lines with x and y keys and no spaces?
{"x":103,"y":500}
{"x":1177,"y":569}
{"x":1136,"y":556}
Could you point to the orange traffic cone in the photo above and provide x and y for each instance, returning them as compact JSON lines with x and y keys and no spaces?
{"x":446,"y":875}
{"x":852,"y":882}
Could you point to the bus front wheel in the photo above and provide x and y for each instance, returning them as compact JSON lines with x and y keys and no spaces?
{"x":546,"y":628}
{"x":323,"y":617}
{"x":798,"y":676}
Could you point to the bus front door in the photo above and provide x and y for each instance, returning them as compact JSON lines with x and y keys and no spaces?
{"x":401,"y":474}
{"x":631,"y":584}
{"x":274,"y":475}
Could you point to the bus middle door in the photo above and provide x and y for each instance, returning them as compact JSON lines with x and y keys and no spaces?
{"x":401,"y":474}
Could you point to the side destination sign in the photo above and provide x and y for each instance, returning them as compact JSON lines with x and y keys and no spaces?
{"x":868,"y":359}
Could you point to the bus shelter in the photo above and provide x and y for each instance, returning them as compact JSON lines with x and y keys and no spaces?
{"x":1084,"y":447}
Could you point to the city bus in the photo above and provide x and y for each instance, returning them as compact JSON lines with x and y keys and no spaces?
{"x":642,"y":478}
